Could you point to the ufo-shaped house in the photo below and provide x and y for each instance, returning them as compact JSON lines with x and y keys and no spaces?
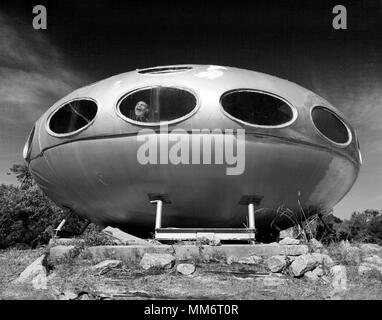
{"x":204,"y":139}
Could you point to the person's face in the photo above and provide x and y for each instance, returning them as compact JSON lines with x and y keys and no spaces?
{"x":141,"y":109}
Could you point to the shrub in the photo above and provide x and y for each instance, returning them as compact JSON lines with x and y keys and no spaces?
{"x":27,"y":216}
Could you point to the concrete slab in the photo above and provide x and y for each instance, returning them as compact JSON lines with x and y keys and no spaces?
{"x":185,"y":252}
{"x":124,"y":238}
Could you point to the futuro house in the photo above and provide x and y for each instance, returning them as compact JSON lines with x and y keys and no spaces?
{"x":83,"y":151}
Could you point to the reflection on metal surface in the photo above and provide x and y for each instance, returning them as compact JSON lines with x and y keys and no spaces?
{"x":96,"y":172}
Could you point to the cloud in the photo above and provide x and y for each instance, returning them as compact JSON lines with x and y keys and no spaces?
{"x":354,"y":85}
{"x":33,"y":75}
{"x":32,"y":72}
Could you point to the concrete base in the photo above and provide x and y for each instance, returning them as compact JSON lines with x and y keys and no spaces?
{"x":185,"y":252}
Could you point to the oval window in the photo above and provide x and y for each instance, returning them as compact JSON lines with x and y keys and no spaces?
{"x":157,"y":104}
{"x":330,"y":125}
{"x":257,"y":108}
{"x":73,"y":116}
{"x":28,"y":145}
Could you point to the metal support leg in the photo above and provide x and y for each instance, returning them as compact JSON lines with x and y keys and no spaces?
{"x":251,"y":216}
{"x":58,"y":229}
{"x":158,"y":215}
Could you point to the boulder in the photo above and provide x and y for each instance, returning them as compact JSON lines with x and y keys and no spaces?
{"x":185,"y":268}
{"x":364,"y":269}
{"x":303,"y":264}
{"x":253,"y":259}
{"x":370,"y":249}
{"x":60,"y":252}
{"x":323,"y":259}
{"x":351,"y":255}
{"x":250,"y":260}
{"x":35,"y":273}
{"x":276,"y":263}
{"x":375,"y":260}
{"x":232,"y":259}
{"x":289,"y":241}
{"x":368,"y":267}
{"x":121,"y":237}
{"x":162,"y":260}
{"x":315,"y":245}
{"x":107,"y":264}
{"x":65,"y":242}
{"x":287,"y":233}
{"x":67,"y":295}
{"x":315,"y":274}
{"x":318,"y":271}
{"x":339,"y":278}
{"x":311,"y":276}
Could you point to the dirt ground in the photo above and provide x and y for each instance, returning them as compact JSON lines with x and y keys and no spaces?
{"x":75,"y":279}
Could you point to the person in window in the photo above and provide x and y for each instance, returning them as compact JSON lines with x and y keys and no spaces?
{"x":142,"y":111}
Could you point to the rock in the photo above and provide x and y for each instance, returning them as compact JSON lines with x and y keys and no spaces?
{"x":67,"y":295}
{"x":107,"y":264}
{"x":208,"y":239}
{"x":315,"y":274}
{"x":250,"y":260}
{"x":324,"y":251}
{"x":289,"y":241}
{"x":162,"y":260}
{"x":318,"y":271}
{"x":315,"y":245}
{"x":35,"y":273}
{"x":311,"y":276}
{"x":65,"y":242}
{"x":232,"y":259}
{"x":351,"y":255}
{"x":303,"y":264}
{"x":323,"y":259}
{"x":253,"y":259}
{"x":60,"y":252}
{"x":370,"y":248}
{"x":284,"y":250}
{"x":291,"y":259}
{"x":339,"y":278}
{"x":123,"y":238}
{"x":364,"y":269}
{"x":276,"y":263}
{"x":375,"y":260}
{"x":85,"y":296}
{"x":185,"y":268}
{"x":287,"y":233}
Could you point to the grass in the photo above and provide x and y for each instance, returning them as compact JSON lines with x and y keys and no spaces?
{"x":212,"y":279}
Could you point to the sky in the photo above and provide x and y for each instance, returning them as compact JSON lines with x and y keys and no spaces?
{"x":91,"y":40}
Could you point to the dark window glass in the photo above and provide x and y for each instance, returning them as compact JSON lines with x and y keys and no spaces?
{"x":157,"y":104}
{"x":257,"y":108}
{"x":73,"y":116}
{"x":163,"y":70}
{"x":330,"y":125}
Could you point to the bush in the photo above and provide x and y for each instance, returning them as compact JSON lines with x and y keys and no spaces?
{"x":27,"y":216}
{"x":94,"y":237}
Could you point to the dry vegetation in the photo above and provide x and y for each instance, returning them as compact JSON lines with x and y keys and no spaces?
{"x":215,"y":279}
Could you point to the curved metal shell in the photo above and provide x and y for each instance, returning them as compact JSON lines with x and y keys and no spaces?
{"x":96,"y":173}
